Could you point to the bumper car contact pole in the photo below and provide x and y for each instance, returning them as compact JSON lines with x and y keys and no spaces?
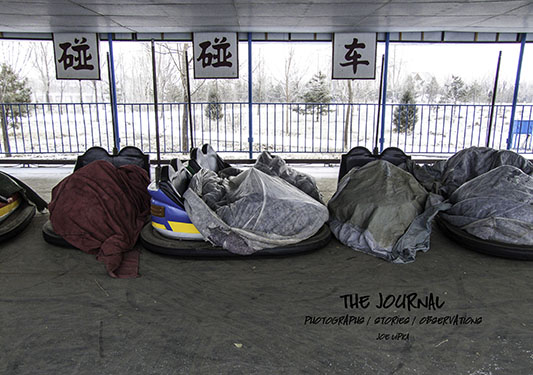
{"x":154,"y":76}
{"x":494,"y":90}
{"x":113,"y":112}
{"x":375,"y":151}
{"x":189,"y":104}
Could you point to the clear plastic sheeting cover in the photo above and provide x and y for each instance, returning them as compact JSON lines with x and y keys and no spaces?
{"x":251,"y":211}
{"x":496,"y":206}
{"x":382,"y":210}
{"x":444,"y":177}
{"x":276,"y":166}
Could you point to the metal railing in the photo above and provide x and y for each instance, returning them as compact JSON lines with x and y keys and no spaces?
{"x":288,"y":128}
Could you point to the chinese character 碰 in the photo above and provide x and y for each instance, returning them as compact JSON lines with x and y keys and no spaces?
{"x":219,"y":58}
{"x":352,"y":57}
{"x":80,"y":60}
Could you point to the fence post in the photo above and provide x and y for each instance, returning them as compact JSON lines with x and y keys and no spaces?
{"x":384,"y":98}
{"x":516,"y":86}
{"x":5,"y":135}
{"x":250,"y":91}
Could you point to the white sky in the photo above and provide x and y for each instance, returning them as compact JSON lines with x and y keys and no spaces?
{"x":470,"y":61}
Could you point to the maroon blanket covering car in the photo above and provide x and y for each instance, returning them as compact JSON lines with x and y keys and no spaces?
{"x":101,"y":210}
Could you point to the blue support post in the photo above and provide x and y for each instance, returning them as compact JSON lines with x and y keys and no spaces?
{"x":384,"y":97}
{"x":113,"y":91}
{"x":516,"y":87}
{"x":250,"y":107}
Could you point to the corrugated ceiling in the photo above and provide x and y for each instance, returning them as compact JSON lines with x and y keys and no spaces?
{"x":272,"y":16}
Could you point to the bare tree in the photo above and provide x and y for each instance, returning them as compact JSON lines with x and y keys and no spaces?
{"x":289,"y":84}
{"x":43,"y":61}
{"x":181,"y":63}
{"x":348,"y":118}
{"x":81,"y":90}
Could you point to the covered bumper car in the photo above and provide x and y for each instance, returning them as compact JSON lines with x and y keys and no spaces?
{"x":127,"y":156}
{"x":101,"y":209}
{"x":18,"y":203}
{"x":382,"y":210}
{"x":491,"y":193}
{"x":206,"y":208}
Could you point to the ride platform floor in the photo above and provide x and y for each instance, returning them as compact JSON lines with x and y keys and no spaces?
{"x":61,"y":314}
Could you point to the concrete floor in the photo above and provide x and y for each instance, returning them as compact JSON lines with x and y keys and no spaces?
{"x":61,"y":313}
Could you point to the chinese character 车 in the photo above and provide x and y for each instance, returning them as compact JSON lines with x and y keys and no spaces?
{"x":352,"y":57}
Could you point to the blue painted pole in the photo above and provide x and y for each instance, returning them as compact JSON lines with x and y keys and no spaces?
{"x":250,"y":107}
{"x":384,"y":97}
{"x":113,"y":91}
{"x":516,"y":87}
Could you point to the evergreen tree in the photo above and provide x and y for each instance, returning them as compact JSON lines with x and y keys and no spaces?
{"x":455,"y":90}
{"x":317,"y":93}
{"x":406,"y":114}
{"x":13,"y":91}
{"x":431,"y":90}
{"x":213,"y":111}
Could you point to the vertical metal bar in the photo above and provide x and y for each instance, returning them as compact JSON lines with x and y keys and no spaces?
{"x":516,"y":87}
{"x":267,"y":125}
{"x":171,"y":129}
{"x":37,"y":126}
{"x":125,"y":123}
{"x":283,"y":127}
{"x":84,"y":126}
{"x":250,"y":91}
{"x":259,"y":125}
{"x":154,"y":81}
{"x":494,"y":90}
{"x":275,"y":130}
{"x":375,"y":150}
{"x":148,"y":127}
{"x":112,"y":83}
{"x":53,"y":129}
{"x":384,"y":96}
{"x":189,"y":101}
{"x":132,"y":124}
{"x":232,"y":126}
{"x":141,"y":126}
{"x":98,"y":122}
{"x":336,"y":119}
{"x":466,"y":124}
{"x":164,"y":128}
{"x":76,"y":127}
{"x":106,"y":125}
{"x":91,"y":122}
{"x":421,"y":129}
{"x":226,"y":129}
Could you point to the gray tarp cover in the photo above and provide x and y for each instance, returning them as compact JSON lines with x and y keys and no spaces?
{"x":496,"y":206}
{"x":444,"y":177}
{"x":276,"y":166}
{"x":251,"y":211}
{"x":491,"y":192}
{"x":382,"y":210}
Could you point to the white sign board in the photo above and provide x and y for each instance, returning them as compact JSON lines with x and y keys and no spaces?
{"x":354,"y":56}
{"x":215,"y":55}
{"x":76,"y":56}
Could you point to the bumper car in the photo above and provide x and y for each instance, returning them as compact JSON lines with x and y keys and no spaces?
{"x":171,"y":231}
{"x":492,"y":214}
{"x":18,"y":203}
{"x":360,"y":156}
{"x":128,"y":155}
